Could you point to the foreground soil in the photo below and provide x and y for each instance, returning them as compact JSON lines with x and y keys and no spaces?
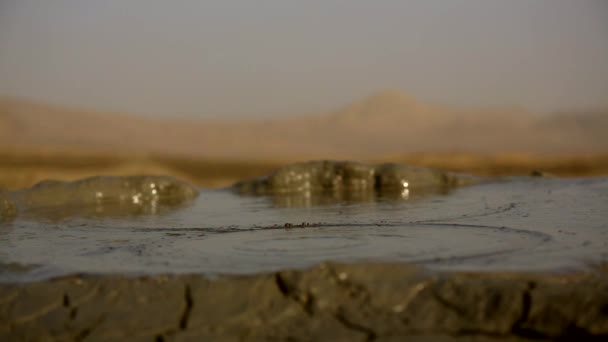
{"x":329,"y":302}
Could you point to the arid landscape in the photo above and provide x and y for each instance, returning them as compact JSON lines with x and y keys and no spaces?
{"x":303,"y":170}
{"x":40,"y":141}
{"x":384,"y":124}
{"x":282,"y":299}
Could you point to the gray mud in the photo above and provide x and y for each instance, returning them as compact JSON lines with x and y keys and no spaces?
{"x":104,"y":196}
{"x":330,"y":302}
{"x":527,"y":223}
{"x":351,"y":178}
{"x":151,"y":258}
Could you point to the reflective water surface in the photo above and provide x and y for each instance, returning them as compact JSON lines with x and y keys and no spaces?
{"x":518,"y":224}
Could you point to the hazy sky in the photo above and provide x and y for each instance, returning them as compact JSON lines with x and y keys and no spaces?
{"x":263,"y":57}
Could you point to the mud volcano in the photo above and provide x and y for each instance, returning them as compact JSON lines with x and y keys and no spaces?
{"x":155,"y":258}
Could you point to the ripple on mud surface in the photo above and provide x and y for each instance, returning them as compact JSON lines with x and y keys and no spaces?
{"x":420,"y":243}
{"x":519,"y":224}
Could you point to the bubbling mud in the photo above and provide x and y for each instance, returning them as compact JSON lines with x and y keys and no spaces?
{"x":104,"y":195}
{"x":346,"y":179}
{"x":303,"y":214}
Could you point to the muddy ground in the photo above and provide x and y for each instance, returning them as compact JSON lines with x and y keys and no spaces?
{"x":351,"y":302}
{"x":329,"y":302}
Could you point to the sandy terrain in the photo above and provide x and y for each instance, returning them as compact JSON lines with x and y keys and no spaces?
{"x":23,"y":167}
{"x":388,"y":123}
{"x":40,"y":141}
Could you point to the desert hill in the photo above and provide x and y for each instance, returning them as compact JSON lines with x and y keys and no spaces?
{"x":386,"y":123}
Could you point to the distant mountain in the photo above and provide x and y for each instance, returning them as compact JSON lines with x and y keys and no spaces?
{"x":33,"y":124}
{"x":584,"y":128}
{"x":387,"y":123}
{"x":386,"y":105}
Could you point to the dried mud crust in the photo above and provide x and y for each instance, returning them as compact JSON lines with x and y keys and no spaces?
{"x":381,"y":302}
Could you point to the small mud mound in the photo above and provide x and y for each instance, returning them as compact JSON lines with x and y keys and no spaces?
{"x":345,"y":177}
{"x":105,"y":195}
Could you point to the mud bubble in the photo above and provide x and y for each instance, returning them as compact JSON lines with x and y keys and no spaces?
{"x":332,"y":181}
{"x":105,"y":195}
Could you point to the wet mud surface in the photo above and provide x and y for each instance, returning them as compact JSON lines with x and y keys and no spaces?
{"x":525,"y":223}
{"x":234,"y":263}
{"x":351,"y":178}
{"x":7,"y":208}
{"x":104,"y":196}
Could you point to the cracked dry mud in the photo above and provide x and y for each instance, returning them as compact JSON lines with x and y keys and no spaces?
{"x":365,"y":302}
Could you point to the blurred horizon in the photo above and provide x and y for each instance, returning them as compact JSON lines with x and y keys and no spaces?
{"x":239,"y":59}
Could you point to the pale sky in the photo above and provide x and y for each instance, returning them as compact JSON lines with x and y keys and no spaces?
{"x":230,"y":58}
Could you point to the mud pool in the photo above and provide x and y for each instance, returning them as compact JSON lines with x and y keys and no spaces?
{"x":516,"y":224}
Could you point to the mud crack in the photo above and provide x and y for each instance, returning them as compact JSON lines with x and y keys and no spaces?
{"x":183,"y":322}
{"x":571,"y":333}
{"x":446,"y":303}
{"x":84,"y":333}
{"x":368,"y":332}
{"x":282,"y":285}
{"x":183,"y":318}
{"x":67,"y":304}
{"x":360,"y":295}
{"x":526,"y":304}
{"x":305,"y":300}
